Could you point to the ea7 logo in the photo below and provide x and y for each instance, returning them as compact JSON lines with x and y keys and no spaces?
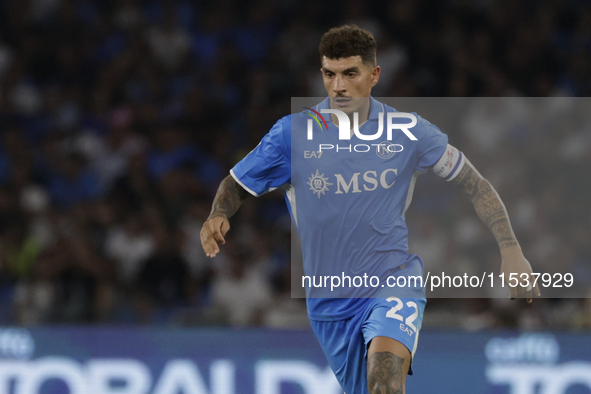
{"x":371,"y":181}
{"x":345,"y":125}
{"x":312,"y":154}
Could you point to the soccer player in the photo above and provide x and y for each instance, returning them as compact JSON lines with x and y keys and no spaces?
{"x":349,"y":210}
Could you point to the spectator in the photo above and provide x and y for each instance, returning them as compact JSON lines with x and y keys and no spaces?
{"x":118,"y":118}
{"x":74,"y":183}
{"x":163,"y":278}
{"x":242,"y":292}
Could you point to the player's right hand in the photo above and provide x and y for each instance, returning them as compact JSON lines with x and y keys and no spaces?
{"x":213,"y":231}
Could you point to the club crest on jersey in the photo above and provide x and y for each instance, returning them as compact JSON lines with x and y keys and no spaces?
{"x":318,"y":183}
{"x":386,"y":149}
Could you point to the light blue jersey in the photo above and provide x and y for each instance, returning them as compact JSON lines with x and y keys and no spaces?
{"x":348,"y":205}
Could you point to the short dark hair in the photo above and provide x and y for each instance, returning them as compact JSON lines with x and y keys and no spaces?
{"x":346,"y":41}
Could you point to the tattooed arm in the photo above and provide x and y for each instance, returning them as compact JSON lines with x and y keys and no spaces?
{"x":492,"y":212}
{"x":227,"y":200}
{"x":488,"y":204}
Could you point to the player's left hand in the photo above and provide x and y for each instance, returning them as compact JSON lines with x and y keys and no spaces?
{"x":514,"y":262}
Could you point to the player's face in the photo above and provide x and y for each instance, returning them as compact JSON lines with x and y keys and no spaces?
{"x":346,"y":78}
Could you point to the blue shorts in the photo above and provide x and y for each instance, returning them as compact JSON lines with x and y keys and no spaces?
{"x":345,"y":342}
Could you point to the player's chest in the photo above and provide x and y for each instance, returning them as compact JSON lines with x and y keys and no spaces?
{"x":351,"y":172}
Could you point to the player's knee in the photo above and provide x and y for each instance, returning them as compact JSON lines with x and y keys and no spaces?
{"x":385,"y":373}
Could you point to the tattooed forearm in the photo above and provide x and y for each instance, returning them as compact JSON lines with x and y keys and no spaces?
{"x":228,"y":198}
{"x":488,"y":204}
{"x":467,"y":179}
{"x":492,"y":212}
{"x":384,"y":373}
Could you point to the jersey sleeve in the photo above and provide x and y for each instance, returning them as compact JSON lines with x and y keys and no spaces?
{"x":268,"y":166}
{"x":431,"y":145}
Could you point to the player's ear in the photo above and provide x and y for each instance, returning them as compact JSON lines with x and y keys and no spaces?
{"x":375,"y":75}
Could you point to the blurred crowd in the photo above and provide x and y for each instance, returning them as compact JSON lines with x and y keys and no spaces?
{"x":119,"y":118}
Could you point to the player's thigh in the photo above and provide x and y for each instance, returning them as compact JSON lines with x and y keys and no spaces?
{"x":399,"y":319}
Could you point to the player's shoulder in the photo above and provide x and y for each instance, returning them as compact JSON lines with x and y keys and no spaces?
{"x":388,"y":108}
{"x":281,"y":127}
{"x":299,"y":117}
{"x":280,"y":134}
{"x":286,"y":124}
{"x":423,"y":126}
{"x":383,"y":107}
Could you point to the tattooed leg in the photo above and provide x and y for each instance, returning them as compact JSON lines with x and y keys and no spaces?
{"x":384,"y":373}
{"x":388,"y":362}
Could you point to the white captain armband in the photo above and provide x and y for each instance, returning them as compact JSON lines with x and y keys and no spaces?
{"x":450,"y":164}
